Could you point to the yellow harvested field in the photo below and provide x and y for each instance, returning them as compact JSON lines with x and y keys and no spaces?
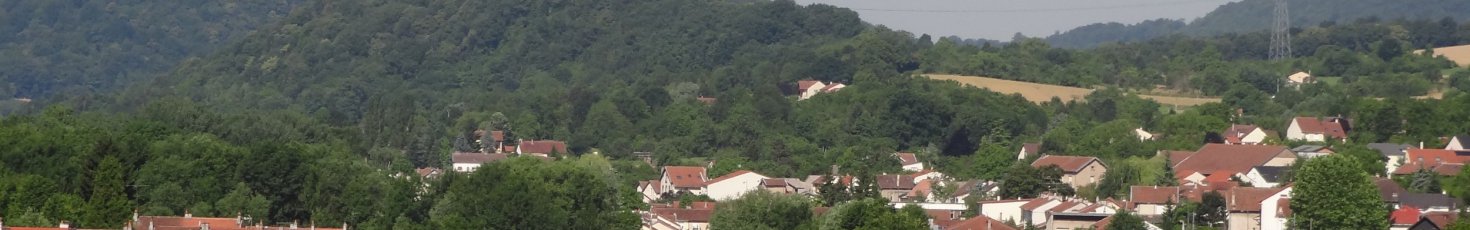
{"x":1036,"y":92}
{"x":1458,"y":54}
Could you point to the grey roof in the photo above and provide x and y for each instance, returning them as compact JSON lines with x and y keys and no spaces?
{"x":1308,"y":148}
{"x":1463,"y":140}
{"x":1389,"y":149}
{"x":1429,"y":200}
{"x":1272,"y":173}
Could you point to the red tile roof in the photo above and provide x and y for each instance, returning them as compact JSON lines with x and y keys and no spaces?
{"x":426,"y":172}
{"x":907,"y":158}
{"x":708,"y":100}
{"x":685,"y":176}
{"x":477,"y":158}
{"x":895,"y":182}
{"x":1441,"y":219}
{"x":774,"y":182}
{"x":1153,"y":194}
{"x":1229,"y":158}
{"x":1103,"y":223}
{"x":1178,"y":156}
{"x":804,"y":85}
{"x":1064,"y":206}
{"x":1245,"y":199}
{"x":979,"y":223}
{"x":1031,"y":148}
{"x":1236,"y":132}
{"x":178,"y":222}
{"x":922,"y":188}
{"x":497,"y":136}
{"x":1444,"y":162}
{"x":1332,"y":128}
{"x":1035,"y":203}
{"x":727,"y":176}
{"x":1405,"y":215}
{"x":684,"y":215}
{"x":1069,"y":164}
{"x":543,"y":147}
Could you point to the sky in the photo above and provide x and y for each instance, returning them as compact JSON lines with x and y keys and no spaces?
{"x":1002,"y":19}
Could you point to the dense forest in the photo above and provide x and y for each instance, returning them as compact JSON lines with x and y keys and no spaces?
{"x":324,"y":113}
{"x":83,"y":48}
{"x":1249,"y":16}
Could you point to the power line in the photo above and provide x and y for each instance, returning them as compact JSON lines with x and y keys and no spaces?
{"x":1038,"y":10}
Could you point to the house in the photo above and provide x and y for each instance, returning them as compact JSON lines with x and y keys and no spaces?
{"x":1389,"y":190}
{"x":1403,"y":218}
{"x":1070,"y":220}
{"x":651,"y":190}
{"x":61,"y":225}
{"x":1443,"y":162}
{"x":1299,"y":78}
{"x":1266,"y":176}
{"x":777,"y":186}
{"x":1027,"y":150}
{"x":1077,"y":171}
{"x":1276,"y":210}
{"x":496,"y":144}
{"x":1318,"y":130}
{"x":541,"y":148}
{"x":683,"y":179}
{"x":1429,"y":202}
{"x":1393,"y":154}
{"x":1229,"y":160}
{"x":1143,"y":135}
{"x":909,"y":161}
{"x":1459,"y":142}
{"x":674,"y":217}
{"x":808,"y":88}
{"x":895,"y":187}
{"x":731,"y":186}
{"x":1246,"y":135}
{"x":1035,"y":212}
{"x":468,"y":161}
{"x":1435,"y":221}
{"x":979,"y":223}
{"x":1153,"y":200}
{"x":1244,"y":206}
{"x":1004,"y":210}
{"x":429,"y":172}
{"x":707,"y":100}
{"x":189,"y":221}
{"x":1310,"y":151}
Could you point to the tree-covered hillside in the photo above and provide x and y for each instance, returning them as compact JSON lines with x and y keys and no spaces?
{"x":1256,"y":15}
{"x":74,"y":48}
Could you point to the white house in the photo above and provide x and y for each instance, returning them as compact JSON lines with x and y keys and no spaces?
{"x":1153,"y":200}
{"x":1245,"y":135}
{"x":1143,"y":135}
{"x":468,"y":162}
{"x":1003,"y":210}
{"x":1458,"y":143}
{"x":683,"y":178}
{"x":1035,"y":211}
{"x":1265,"y":176}
{"x":731,"y":186}
{"x":1275,"y":210}
{"x":910,"y":162}
{"x":1299,"y":78}
{"x":1317,"y":130}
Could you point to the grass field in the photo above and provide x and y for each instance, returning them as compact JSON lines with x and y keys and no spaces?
{"x":1038,"y":93}
{"x":1459,"y":54}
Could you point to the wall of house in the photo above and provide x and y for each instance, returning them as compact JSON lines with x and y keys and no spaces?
{"x":1039,"y":215}
{"x":735,"y":186}
{"x":1454,"y":144}
{"x":1285,"y":158}
{"x":812,"y":91}
{"x":1392,"y":164}
{"x":1151,"y":209}
{"x":1269,"y":208}
{"x":1258,"y":180}
{"x":1092,"y":173}
{"x":1003,"y":211}
{"x":1294,"y":132}
{"x":465,"y":167}
{"x":915,"y":167}
{"x":1069,"y":224}
{"x":1254,"y":137}
{"x":1243,"y":221}
{"x":893,"y":195}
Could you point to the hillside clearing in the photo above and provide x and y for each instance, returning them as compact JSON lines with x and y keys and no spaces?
{"x":1458,"y":54}
{"x":1036,"y":92}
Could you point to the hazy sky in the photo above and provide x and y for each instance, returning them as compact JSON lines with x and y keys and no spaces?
{"x":1000,"y":19}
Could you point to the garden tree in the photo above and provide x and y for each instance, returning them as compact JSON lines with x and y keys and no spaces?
{"x":1116,"y":182}
{"x":762,"y":210}
{"x":543,"y":194}
{"x":873,"y":213}
{"x":1126,"y":220}
{"x":1331,"y":194}
{"x":1375,"y":121}
{"x":1364,"y":158}
{"x":1211,"y":209}
{"x":1168,"y":178}
{"x":108,"y":205}
{"x":1023,"y":181}
{"x":1424,"y":181}
{"x":243,"y":202}
{"x":1456,"y":186}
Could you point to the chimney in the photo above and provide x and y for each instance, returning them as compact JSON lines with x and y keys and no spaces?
{"x":203,"y":226}
{"x":135,"y":214}
{"x":293,"y":223}
{"x":187,"y":214}
{"x":1421,"y":145}
{"x":2,"y":222}
{"x":238,"y":221}
{"x":64,"y":225}
{"x":344,"y":226}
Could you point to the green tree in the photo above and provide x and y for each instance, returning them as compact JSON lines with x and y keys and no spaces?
{"x":762,"y":210}
{"x":1125,"y":220}
{"x":1024,"y":181}
{"x":1331,"y":194}
{"x":109,"y":205}
{"x":873,"y":214}
{"x":241,"y":201}
{"x":1211,"y":209}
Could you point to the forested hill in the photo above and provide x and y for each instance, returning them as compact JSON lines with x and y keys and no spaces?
{"x":76,"y":47}
{"x":1257,"y":15}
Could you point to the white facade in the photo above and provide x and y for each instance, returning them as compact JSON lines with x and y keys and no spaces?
{"x":1271,"y":211}
{"x":1254,"y":137}
{"x":1143,"y":135}
{"x":1009,"y":210}
{"x":915,"y":167}
{"x":1257,"y":180}
{"x":1455,"y":144}
{"x":465,"y":167}
{"x":1294,"y":132}
{"x":731,"y":188}
{"x":1038,"y":216}
{"x":812,"y":91}
{"x":1393,"y":164}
